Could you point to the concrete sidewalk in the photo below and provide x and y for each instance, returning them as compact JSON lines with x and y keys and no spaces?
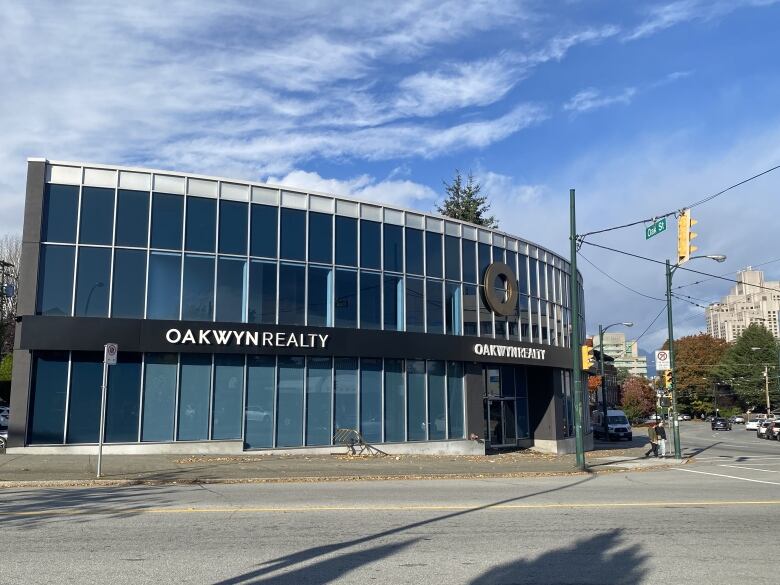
{"x":50,"y":470}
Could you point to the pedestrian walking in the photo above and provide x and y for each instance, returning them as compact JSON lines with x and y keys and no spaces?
{"x":660,"y":432}
{"x":653,"y":435}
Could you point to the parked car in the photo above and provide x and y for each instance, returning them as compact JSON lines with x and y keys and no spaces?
{"x":761,"y":431}
{"x":772,"y":430}
{"x":752,"y":425}
{"x":721,"y":424}
{"x":618,"y":426}
{"x":686,"y":417}
{"x":3,"y":436}
{"x":739,"y":420}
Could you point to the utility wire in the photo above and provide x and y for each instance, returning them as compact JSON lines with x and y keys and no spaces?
{"x":725,"y":274}
{"x":641,"y":294}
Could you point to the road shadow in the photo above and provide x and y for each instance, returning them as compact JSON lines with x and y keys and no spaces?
{"x":315,"y":564}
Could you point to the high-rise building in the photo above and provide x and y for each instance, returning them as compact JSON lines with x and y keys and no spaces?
{"x":751,"y":300}
{"x":626,"y":353}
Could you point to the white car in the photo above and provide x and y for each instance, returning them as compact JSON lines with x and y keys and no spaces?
{"x":761,"y":431}
{"x":752,"y":425}
{"x":740,"y":420}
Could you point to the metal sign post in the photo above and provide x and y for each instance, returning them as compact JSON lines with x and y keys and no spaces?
{"x":110,"y":351}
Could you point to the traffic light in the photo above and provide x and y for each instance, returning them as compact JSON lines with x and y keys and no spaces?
{"x":665,"y":401}
{"x":667,"y":378}
{"x":684,"y":236}
{"x":588,"y":360}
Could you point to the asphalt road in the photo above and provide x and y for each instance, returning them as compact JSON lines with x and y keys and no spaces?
{"x":702,"y":522}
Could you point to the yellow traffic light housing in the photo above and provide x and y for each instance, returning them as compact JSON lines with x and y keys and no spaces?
{"x":667,"y":379}
{"x":588,"y":359}
{"x":684,"y":236}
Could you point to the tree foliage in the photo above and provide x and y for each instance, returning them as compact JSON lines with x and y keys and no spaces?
{"x":594,"y":383}
{"x":465,"y":202}
{"x":10,"y":253}
{"x":638,"y":399}
{"x":696,"y":357}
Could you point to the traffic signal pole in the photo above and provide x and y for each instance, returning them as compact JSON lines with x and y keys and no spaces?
{"x":575,"y":336}
{"x":675,"y":422}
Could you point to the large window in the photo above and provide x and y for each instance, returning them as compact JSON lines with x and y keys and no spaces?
{"x":260,"y":392}
{"x":263,"y":235}
{"x":231,"y":289}
{"x":97,"y":215}
{"x":453,"y":307}
{"x":293,"y":236}
{"x":485,"y":315}
{"x":346,"y":241}
{"x":320,"y":237}
{"x":129,"y":283}
{"x":433,"y":257}
{"x":228,"y":396}
{"x":201,"y":224}
{"x":55,"y":280}
{"x":60,"y":210}
{"x":289,"y":417}
{"x":86,"y":378}
{"x":455,"y":399}
{"x":320,"y":296}
{"x":415,"y":400}
{"x":469,"y":261}
{"x":433,"y":304}
{"x":370,"y":244}
{"x":437,"y":402}
{"x":414,"y":251}
{"x":346,"y":298}
{"x":49,"y":392}
{"x":371,"y":399}
{"x":167,"y":217}
{"x":415,"y":306}
{"x":451,"y":258}
{"x":159,"y":397}
{"x":164,"y":285}
{"x":262,"y":292}
{"x":470,"y":316}
{"x":232,"y":227}
{"x":197,"y":299}
{"x":132,"y":218}
{"x":393,"y":247}
{"x":393,"y":290}
{"x":92,"y":282}
{"x":370,"y":300}
{"x":292,"y":298}
{"x":484,"y":260}
{"x":123,"y":398}
{"x":345,"y":409}
{"x":319,"y":390}
{"x":194,"y":397}
{"x":395,"y":405}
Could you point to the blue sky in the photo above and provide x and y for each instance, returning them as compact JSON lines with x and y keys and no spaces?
{"x":642,"y":107}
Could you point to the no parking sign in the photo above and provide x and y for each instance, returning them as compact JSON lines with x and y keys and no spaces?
{"x":109,"y":353}
{"x":662,"y":360}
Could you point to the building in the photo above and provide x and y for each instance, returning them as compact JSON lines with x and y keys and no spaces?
{"x":744,"y":305}
{"x":256,"y":317}
{"x":625,"y":353}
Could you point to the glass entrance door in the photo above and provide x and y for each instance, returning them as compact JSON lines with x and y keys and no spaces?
{"x":500,"y":418}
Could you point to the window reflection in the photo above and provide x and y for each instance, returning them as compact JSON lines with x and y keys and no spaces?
{"x":167,"y":217}
{"x":201,"y":224}
{"x":97,"y":215}
{"x":92,"y":282}
{"x":55,"y":280}
{"x":60,"y":210}
{"x":197,"y":302}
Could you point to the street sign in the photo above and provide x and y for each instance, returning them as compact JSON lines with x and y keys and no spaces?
{"x":655,"y":229}
{"x":662,"y":360}
{"x":109,"y":355}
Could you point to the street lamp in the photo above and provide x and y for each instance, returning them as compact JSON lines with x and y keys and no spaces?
{"x":602,"y":330}
{"x":670,"y":270}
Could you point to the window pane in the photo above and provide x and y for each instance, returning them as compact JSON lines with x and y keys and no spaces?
{"x":260,"y":391}
{"x":262,"y":292}
{"x":132,"y":218}
{"x":454,"y":325}
{"x":484,"y":260}
{"x":437,"y":423}
{"x":231,"y":289}
{"x":469,"y":261}
{"x":159,"y":397}
{"x":49,"y":392}
{"x":320,"y":237}
{"x":452,"y":257}
{"x":522,"y":273}
{"x":55,"y":281}
{"x":292,"y":238}
{"x":498,"y":254}
{"x":346,"y":394}
{"x":415,"y":405}
{"x":433,"y":260}
{"x":92,"y":281}
{"x":485,"y":316}
{"x":320,"y":296}
{"x":201,"y":224}
{"x":395,"y":418}
{"x":167,"y":217}
{"x":292,"y":289}
{"x":232,"y":227}
{"x":511,"y":260}
{"x":60,"y":210}
{"x":469,"y":310}
{"x":97,"y":215}
{"x":197,"y":299}
{"x":228,"y":396}
{"x":394,"y":303}
{"x":370,"y":244}
{"x":263,"y":236}
{"x":346,"y":241}
{"x":394,"y":247}
{"x":414,"y":251}
{"x":371,"y":399}
{"x":289,"y":418}
{"x":532,"y":279}
{"x":319,"y":381}
{"x":194,"y":397}
{"x":123,"y":399}
{"x":455,"y":399}
{"x":129,"y":283}
{"x":415,"y":311}
{"x":86,"y":378}
{"x":346,"y":299}
{"x":433,"y":300}
{"x":162,"y":300}
{"x":370,"y":300}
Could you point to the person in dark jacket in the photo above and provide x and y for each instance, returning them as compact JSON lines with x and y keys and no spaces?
{"x":652,"y":433}
{"x":660,"y":433}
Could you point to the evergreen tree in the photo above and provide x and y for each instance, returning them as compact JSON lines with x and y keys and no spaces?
{"x":464,"y":201}
{"x":743,"y":366}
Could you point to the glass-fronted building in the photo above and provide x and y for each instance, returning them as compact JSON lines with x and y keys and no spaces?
{"x":257,"y":317}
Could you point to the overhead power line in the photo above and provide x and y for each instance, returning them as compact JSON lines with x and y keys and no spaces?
{"x":613,"y":279}
{"x":725,"y":274}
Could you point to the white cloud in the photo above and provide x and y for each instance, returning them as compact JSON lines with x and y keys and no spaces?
{"x":592,"y":99}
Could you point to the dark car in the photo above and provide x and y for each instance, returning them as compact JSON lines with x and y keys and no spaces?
{"x":721,"y":424}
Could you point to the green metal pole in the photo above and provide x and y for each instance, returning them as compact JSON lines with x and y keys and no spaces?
{"x":675,"y":422}
{"x":575,"y":336}
{"x":603,"y":384}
